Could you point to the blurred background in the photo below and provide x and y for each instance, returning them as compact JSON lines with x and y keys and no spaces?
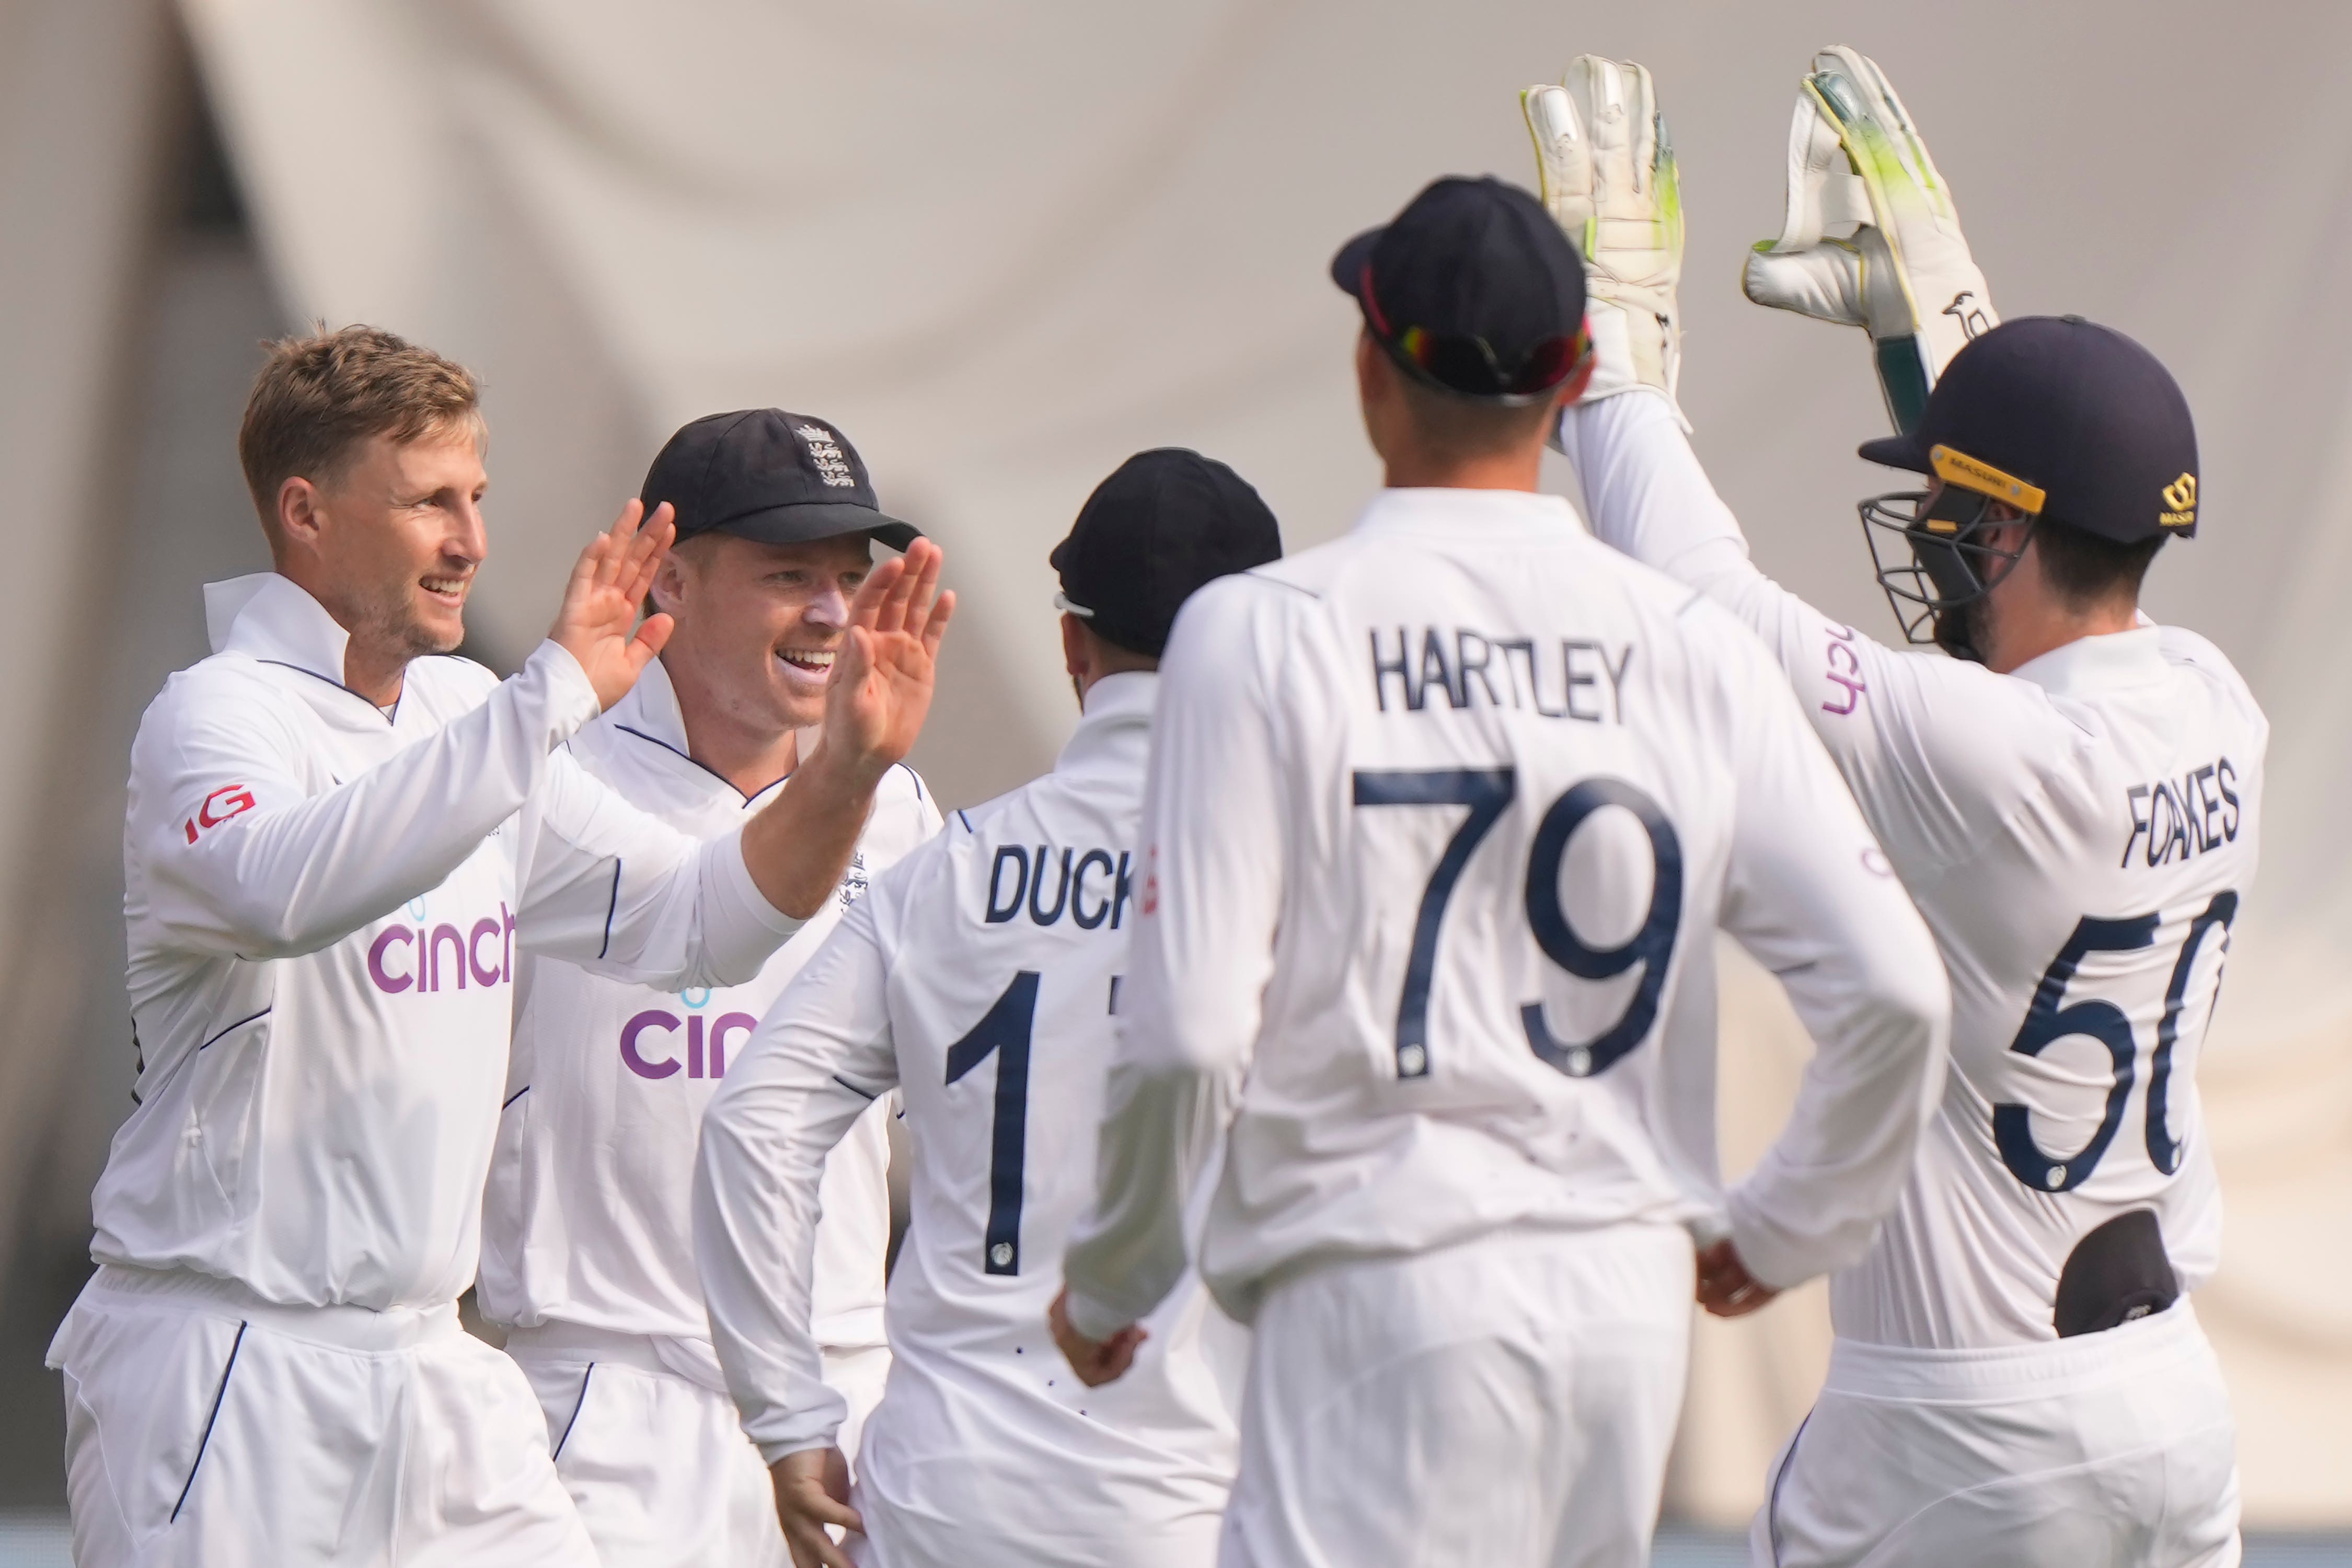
{"x":1002,"y":246}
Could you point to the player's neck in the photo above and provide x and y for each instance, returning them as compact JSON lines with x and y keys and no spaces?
{"x":748,"y":756}
{"x":2027,"y":631}
{"x":374,"y":672}
{"x":1516,"y":471}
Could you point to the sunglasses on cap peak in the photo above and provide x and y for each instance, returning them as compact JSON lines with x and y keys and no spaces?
{"x":1469,"y":365}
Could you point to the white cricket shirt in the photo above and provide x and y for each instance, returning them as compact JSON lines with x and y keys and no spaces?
{"x":978,"y":977}
{"x":325,"y":906}
{"x":2078,"y":835}
{"x":586,"y":1220}
{"x":1442,"y":821}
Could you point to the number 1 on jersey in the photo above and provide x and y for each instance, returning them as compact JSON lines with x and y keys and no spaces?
{"x":1003,"y":1031}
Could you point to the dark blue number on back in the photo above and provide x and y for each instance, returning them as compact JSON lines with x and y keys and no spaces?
{"x":1649,"y":947}
{"x":2045,"y":1020}
{"x":1488,"y":793}
{"x":1003,"y":1031}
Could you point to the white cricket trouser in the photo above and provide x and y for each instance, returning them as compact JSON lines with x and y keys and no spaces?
{"x":652,"y":1452}
{"x":204,"y":1426}
{"x":2107,"y":1450}
{"x":1507,"y":1403}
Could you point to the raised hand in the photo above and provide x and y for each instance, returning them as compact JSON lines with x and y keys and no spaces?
{"x":1870,"y":236}
{"x":797,"y":848}
{"x":882,"y":678}
{"x":1609,"y":179}
{"x":598,"y":621}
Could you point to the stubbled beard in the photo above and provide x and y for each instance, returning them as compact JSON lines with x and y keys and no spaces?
{"x":1961,"y":631}
{"x":391,"y":621}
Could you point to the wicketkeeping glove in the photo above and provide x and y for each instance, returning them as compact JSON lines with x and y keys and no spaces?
{"x":1871,"y":238}
{"x":1608,"y":177}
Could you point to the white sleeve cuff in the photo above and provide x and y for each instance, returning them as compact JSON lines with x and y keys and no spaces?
{"x":797,"y":1431}
{"x":1092,"y":1319}
{"x":571,"y":696}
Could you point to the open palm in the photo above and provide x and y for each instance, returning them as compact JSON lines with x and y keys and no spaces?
{"x":882,"y":679}
{"x":598,"y":623}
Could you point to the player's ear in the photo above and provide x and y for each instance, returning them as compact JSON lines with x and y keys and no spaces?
{"x":668,"y":591}
{"x":1372,"y":370}
{"x":298,"y":513}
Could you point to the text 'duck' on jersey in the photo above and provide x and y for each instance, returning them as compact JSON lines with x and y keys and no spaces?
{"x":980,"y":977}
{"x":1442,"y":817}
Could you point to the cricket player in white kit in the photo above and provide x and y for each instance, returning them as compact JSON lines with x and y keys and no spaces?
{"x":587,"y":1244}
{"x":2073,"y":799}
{"x":1442,"y":820}
{"x":980,"y":976}
{"x":339,"y":845}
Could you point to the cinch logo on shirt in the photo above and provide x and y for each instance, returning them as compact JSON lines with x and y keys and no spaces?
{"x":704,"y":1047}
{"x":427,"y":958}
{"x":1843,"y":669}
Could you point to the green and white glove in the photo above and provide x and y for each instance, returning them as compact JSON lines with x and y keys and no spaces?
{"x":1871,"y":238}
{"x":1608,"y":177}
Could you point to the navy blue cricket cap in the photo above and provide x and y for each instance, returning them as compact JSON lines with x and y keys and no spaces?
{"x":1472,"y":288}
{"x":1165,"y":523}
{"x":2064,"y":418}
{"x":764,"y":474}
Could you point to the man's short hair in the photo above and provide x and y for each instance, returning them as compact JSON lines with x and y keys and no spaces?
{"x":321,"y":396}
{"x":1454,"y":428}
{"x":2085,"y":569}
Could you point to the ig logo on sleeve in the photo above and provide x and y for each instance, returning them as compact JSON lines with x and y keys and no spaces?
{"x":219,"y":806}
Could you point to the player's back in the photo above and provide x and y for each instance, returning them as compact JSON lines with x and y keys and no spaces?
{"x":1507,"y":760}
{"x":1006,"y":937}
{"x":2079,"y":836}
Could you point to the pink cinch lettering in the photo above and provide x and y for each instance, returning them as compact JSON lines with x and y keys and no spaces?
{"x":742,"y":1023}
{"x":1840,"y":651}
{"x":433,"y":955}
{"x":384,"y":979}
{"x":491,"y":975}
{"x":653,"y":1019}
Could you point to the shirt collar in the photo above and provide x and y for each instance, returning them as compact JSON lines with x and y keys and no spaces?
{"x":650,"y":708}
{"x":2093,"y":664}
{"x":1115,"y":730}
{"x":1457,"y":513}
{"x":273,"y":617}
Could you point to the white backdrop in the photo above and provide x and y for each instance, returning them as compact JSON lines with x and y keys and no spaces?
{"x":1004,"y":246}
